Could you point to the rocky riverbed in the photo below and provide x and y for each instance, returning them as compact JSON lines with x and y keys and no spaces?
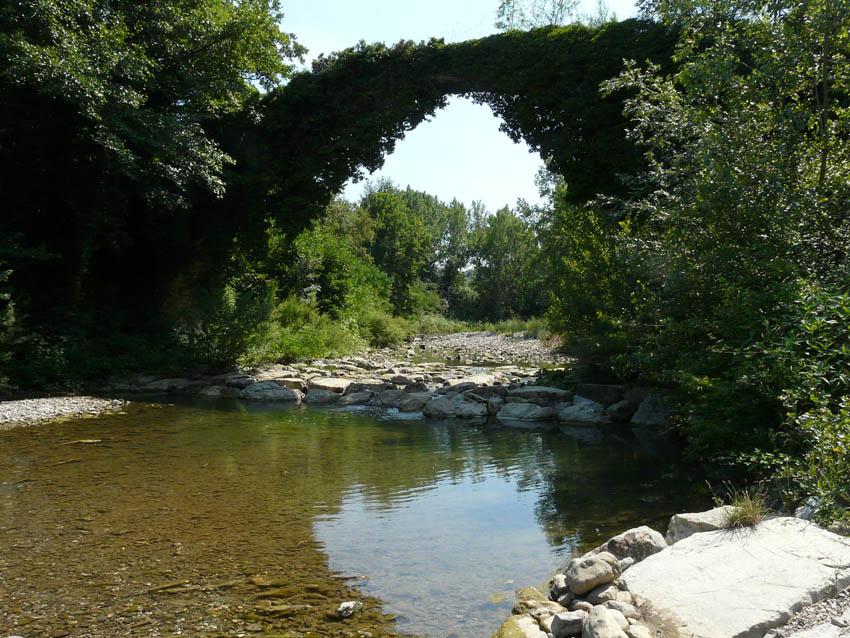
{"x":478,"y":377}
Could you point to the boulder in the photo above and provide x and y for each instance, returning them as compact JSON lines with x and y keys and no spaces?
{"x":219,"y":392}
{"x":168,"y":385}
{"x":602,"y":594}
{"x":523,"y":626}
{"x":584,"y":412}
{"x":568,"y":623}
{"x":639,"y":631}
{"x":601,"y":623}
{"x":330,"y":384}
{"x":530,"y":594}
{"x":628,"y":610}
{"x":599,"y":392}
{"x":391,"y":398}
{"x":586,"y":573}
{"x":494,"y":404}
{"x":621,"y":411}
{"x":618,"y":617}
{"x":416,"y":386}
{"x":236,"y":380}
{"x":321,"y":397}
{"x":683,"y":525}
{"x":355,"y":398}
{"x":439,"y":408}
{"x":653,"y":412}
{"x":636,"y":543}
{"x":467,"y":383}
{"x":294,"y":383}
{"x":742,"y":582}
{"x":270,"y":391}
{"x":372,"y":385}
{"x":469,"y":409}
{"x":525,"y":412}
{"x":414,"y":401}
{"x":553,"y":395}
{"x":558,"y":587}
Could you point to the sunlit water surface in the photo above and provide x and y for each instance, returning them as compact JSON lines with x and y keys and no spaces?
{"x":440,"y":521}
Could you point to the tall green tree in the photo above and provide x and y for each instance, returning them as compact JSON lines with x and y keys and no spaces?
{"x":107,"y":136}
{"x":400,"y":246}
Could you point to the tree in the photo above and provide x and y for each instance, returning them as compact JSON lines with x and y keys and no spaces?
{"x":504,"y":254}
{"x":400,"y":245}
{"x":106,"y":137}
{"x":525,"y":14}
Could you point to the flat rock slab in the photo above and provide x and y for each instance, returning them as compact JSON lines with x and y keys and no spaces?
{"x":740,"y":583}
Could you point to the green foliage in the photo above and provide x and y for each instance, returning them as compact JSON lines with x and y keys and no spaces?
{"x":220,"y":324}
{"x":439,"y":325}
{"x":295,"y":331}
{"x":400,"y":245}
{"x":505,"y":277}
{"x":381,"y":329}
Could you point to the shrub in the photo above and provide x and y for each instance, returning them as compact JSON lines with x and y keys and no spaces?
{"x":382,"y":329}
{"x":295,"y":331}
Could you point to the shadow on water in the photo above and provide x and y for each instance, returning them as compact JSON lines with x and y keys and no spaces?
{"x":211,"y":517}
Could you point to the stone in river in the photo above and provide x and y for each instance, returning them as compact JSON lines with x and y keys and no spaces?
{"x":636,"y":543}
{"x":269,"y":391}
{"x":321,"y":397}
{"x":601,"y":623}
{"x":584,"y":574}
{"x":414,"y":401}
{"x":355,"y":398}
{"x":330,"y":384}
{"x":568,"y":623}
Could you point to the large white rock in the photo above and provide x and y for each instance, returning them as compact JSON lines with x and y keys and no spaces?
{"x":529,"y":392}
{"x":636,"y":543}
{"x":330,"y":384}
{"x":740,"y":583}
{"x":270,"y":391}
{"x":683,"y":525}
{"x":584,"y":411}
{"x":525,"y":412}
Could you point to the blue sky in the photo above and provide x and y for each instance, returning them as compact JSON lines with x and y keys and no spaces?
{"x":460,"y":153}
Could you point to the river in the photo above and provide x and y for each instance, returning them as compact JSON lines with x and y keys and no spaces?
{"x":226,"y":518}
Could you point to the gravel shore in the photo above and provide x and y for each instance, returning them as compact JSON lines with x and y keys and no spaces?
{"x":821,"y":613}
{"x":25,"y":412}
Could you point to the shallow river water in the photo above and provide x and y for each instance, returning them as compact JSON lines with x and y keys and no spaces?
{"x":224,"y":519}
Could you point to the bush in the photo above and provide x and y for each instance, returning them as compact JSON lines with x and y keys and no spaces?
{"x":431,"y":324}
{"x":296,"y":331}
{"x":220,"y":324}
{"x":382,"y":329}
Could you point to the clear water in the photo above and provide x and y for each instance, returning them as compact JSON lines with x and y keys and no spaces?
{"x":435,"y":523}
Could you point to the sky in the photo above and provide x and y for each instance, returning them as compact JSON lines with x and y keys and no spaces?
{"x":460,"y":153}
